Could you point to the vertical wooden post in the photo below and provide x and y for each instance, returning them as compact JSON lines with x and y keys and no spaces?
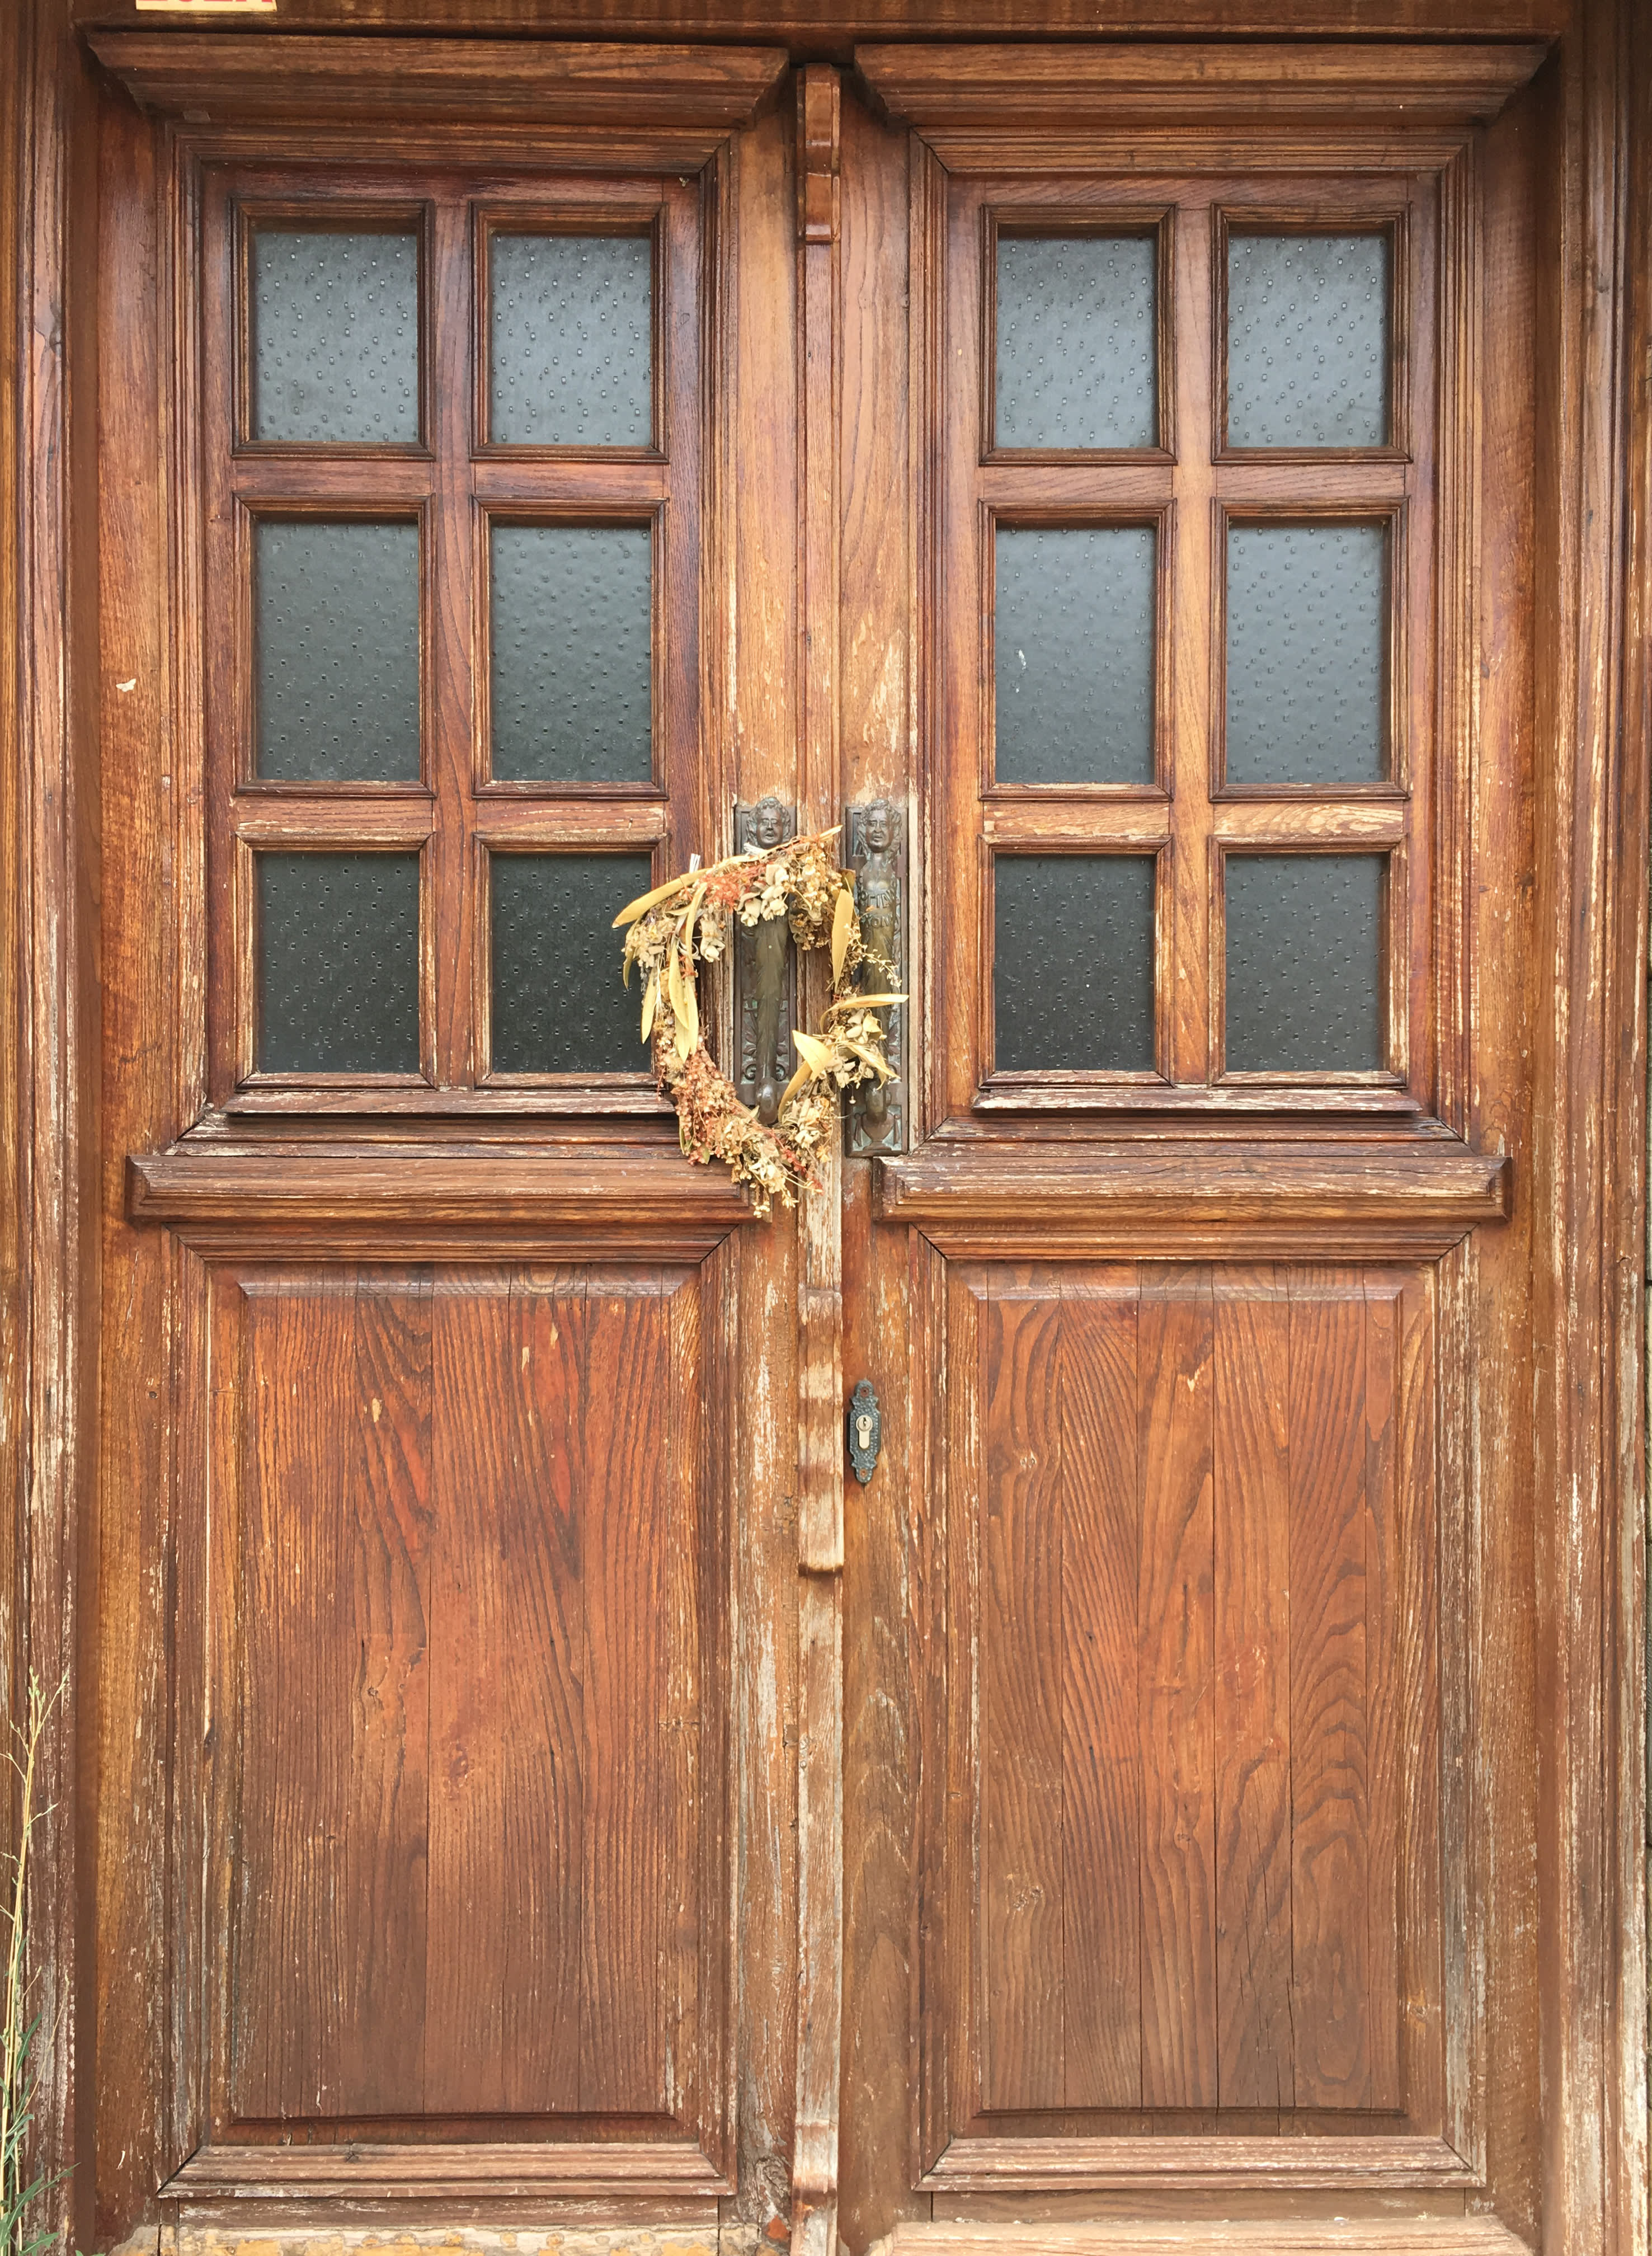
{"x":819,"y":1274}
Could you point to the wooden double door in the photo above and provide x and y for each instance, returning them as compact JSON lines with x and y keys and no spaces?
{"x":537,"y":1782}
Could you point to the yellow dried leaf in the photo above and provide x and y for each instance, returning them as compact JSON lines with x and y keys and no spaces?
{"x":842,"y":931}
{"x":815,"y":1054}
{"x":688,"y":1017}
{"x":632,"y":910}
{"x":867,"y":1001}
{"x":650,"y":1004}
{"x":675,"y":984}
{"x":805,"y":1072}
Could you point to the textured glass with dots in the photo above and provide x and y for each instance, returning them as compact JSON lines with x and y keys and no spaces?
{"x":1305,"y":963}
{"x":334,"y":343}
{"x":337,"y":962}
{"x":557,"y":1004}
{"x":571,"y":667}
{"x":1308,"y":341}
{"x":571,"y":341}
{"x":1072,"y":962}
{"x":1074,"y":643}
{"x":1307,"y":634}
{"x":336,"y":665}
{"x":1077,"y":351}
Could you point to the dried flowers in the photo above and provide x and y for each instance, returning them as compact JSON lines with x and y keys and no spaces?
{"x":688,"y":921}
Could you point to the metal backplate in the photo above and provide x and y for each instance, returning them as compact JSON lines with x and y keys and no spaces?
{"x":874,"y":848}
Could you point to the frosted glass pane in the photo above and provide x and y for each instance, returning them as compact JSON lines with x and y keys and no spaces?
{"x":334,"y":321}
{"x":1073,"y":645}
{"x":1072,"y":972}
{"x":1307,"y":636}
{"x":573,"y":339}
{"x":336,"y":614}
{"x":1308,"y":339}
{"x":1076,"y":357}
{"x":1305,"y":963}
{"x":572,"y":684}
{"x":337,"y":962}
{"x":557,"y":1003}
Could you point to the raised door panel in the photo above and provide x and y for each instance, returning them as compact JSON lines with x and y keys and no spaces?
{"x":1191,"y":1560}
{"x":462,"y":1779}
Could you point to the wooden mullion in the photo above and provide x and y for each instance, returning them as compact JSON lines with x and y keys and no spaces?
{"x":1186,"y":954}
{"x":452,"y":618}
{"x":332,"y":816}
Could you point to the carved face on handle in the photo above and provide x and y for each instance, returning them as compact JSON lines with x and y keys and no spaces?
{"x":767,"y":826}
{"x":878,"y":828}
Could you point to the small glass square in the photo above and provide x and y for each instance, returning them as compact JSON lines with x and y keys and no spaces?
{"x":1307,"y":651}
{"x":337,"y":954}
{"x":334,"y":335}
{"x":1073,"y":654}
{"x":1077,"y":360}
{"x":335,"y":651}
{"x":1305,"y":963}
{"x":572,"y":653}
{"x":1308,"y":339}
{"x":558,"y":1005}
{"x":572,"y":340}
{"x":1072,"y":962}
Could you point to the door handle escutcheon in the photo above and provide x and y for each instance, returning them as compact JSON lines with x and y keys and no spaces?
{"x":865,"y":1431}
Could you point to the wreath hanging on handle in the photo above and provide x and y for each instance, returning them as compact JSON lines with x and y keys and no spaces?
{"x":688,"y":921}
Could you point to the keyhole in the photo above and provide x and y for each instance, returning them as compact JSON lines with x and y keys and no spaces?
{"x":863,"y":1432}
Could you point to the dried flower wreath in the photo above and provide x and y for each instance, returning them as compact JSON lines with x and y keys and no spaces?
{"x":687,"y":922}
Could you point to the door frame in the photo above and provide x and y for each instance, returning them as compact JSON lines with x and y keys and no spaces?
{"x":1594,"y":704}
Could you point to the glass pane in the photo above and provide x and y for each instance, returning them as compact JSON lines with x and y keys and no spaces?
{"x":1076,"y":363}
{"x":1307,"y":636}
{"x":337,"y":962}
{"x":335,"y":639}
{"x":1072,"y":972}
{"x":1073,"y":642}
{"x":334,"y":336}
{"x":572,"y":340}
{"x":572,"y":684}
{"x":1305,"y":963}
{"x":557,"y":1004}
{"x":1307,"y":340}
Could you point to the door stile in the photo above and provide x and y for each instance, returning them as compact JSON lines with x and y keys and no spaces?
{"x":819,"y":1228}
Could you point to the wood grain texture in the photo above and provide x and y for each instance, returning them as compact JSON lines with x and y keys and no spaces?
{"x":238,"y":75}
{"x":1022,"y":1974}
{"x":1255,"y":2034}
{"x":1175,"y":1612}
{"x":1098,"y":1383}
{"x":465,"y":1855}
{"x":936,"y":86}
{"x":1206,"y":1597}
{"x":1374,"y":2236}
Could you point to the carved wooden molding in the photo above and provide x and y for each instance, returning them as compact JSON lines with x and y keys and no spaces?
{"x":1214,"y":2162}
{"x":1195,"y":1201}
{"x":246,"y":76}
{"x":563,"y":2170}
{"x":1112,"y":83}
{"x":565,"y":1204}
{"x":819,"y":110}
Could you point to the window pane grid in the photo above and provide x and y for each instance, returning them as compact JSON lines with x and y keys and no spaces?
{"x":354,"y":711}
{"x":1299,"y":760}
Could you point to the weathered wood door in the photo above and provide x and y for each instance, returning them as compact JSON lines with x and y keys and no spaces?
{"x":537,"y":1785}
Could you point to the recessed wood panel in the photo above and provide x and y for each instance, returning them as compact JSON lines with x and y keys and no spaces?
{"x":1179,"y":1639}
{"x":464,"y":1861}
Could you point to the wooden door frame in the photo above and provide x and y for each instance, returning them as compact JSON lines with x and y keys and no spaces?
{"x":1593,"y":584}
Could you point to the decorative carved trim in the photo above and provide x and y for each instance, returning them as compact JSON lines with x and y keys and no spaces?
{"x":517,"y":1201}
{"x":236,"y":77}
{"x":1112,"y":83}
{"x":1213,"y":2162}
{"x":819,"y":110}
{"x":1191,"y":1200}
{"x":564,"y":2171}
